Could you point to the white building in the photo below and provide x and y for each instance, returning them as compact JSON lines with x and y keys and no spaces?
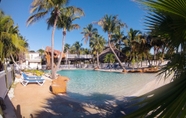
{"x":33,"y":60}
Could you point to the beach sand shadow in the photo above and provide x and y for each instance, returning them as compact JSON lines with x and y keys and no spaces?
{"x":60,"y":107}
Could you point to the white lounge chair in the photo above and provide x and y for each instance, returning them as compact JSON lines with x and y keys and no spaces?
{"x":32,"y":79}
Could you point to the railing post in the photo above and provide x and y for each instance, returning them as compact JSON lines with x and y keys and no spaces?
{"x":13,"y":72}
{"x":6,"y":78}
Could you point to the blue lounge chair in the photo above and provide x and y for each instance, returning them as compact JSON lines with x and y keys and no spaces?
{"x":32,"y":79}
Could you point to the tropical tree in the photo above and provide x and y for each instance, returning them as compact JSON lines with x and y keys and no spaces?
{"x":86,"y":51}
{"x":40,"y":51}
{"x":66,"y":18}
{"x":41,"y":8}
{"x":167,"y":17}
{"x":109,"y":58}
{"x":158,"y":43}
{"x":11,"y":42}
{"x":66,"y":47}
{"x":77,"y":47}
{"x":117,"y":38}
{"x":89,"y":32}
{"x":97,"y":45}
{"x":109,"y":24}
{"x":134,"y":43}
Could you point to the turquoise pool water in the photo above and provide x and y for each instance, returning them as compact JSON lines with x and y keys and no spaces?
{"x":99,"y":86}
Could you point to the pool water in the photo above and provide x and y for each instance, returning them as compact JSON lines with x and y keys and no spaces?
{"x":98,"y":86}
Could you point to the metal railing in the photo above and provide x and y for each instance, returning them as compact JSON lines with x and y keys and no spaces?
{"x":79,"y":56}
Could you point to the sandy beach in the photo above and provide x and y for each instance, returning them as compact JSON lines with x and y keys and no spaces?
{"x":34,"y":101}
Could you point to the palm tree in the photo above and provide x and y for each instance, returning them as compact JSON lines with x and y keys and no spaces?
{"x":117,"y":38}
{"x":86,"y":51}
{"x":88,"y":32}
{"x":167,"y":17}
{"x":134,"y":42}
{"x":97,"y":45}
{"x":77,"y":47}
{"x":41,"y":52}
{"x":66,"y":18}
{"x":11,"y":42}
{"x":109,"y":58}
{"x":109,"y":25}
{"x":66,"y":47}
{"x":41,"y":8}
{"x":5,"y":23}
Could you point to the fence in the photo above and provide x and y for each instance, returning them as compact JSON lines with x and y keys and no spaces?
{"x":6,"y":79}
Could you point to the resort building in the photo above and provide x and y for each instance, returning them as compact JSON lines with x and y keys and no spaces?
{"x":67,"y":59}
{"x":33,"y":60}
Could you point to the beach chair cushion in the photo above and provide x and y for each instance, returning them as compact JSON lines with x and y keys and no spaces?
{"x":32,"y":79}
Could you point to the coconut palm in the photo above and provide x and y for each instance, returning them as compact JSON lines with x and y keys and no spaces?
{"x":5,"y":23}
{"x":41,"y":8}
{"x":66,"y":47}
{"x":167,"y":17}
{"x":86,"y":51}
{"x":66,"y":18}
{"x":117,"y":38}
{"x":109,"y":58}
{"x":88,"y":32}
{"x":97,"y":45}
{"x":11,"y":42}
{"x":77,"y":47}
{"x":109,"y":24}
{"x":41,"y":52}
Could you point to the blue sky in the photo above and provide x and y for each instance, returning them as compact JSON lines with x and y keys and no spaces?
{"x":39,"y":37}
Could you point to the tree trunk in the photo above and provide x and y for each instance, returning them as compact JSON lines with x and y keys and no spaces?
{"x":52,"y":49}
{"x":98,"y":60}
{"x":14,"y":61}
{"x":115,"y":54}
{"x":63,"y":44}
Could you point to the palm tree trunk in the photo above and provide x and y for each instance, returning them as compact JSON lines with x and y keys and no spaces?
{"x":98,"y":60}
{"x":116,"y":55}
{"x":63,"y":44}
{"x":52,"y":49}
{"x":14,"y":61}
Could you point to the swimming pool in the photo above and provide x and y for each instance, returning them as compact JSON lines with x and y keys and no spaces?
{"x":98,"y":86}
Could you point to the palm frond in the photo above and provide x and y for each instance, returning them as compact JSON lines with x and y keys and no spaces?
{"x":36,"y":17}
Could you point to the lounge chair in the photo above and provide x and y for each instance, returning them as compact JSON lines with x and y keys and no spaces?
{"x":32,"y":79}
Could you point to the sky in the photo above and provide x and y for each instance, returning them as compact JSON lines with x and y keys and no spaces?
{"x":38,"y":36}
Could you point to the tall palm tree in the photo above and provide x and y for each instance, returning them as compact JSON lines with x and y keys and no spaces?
{"x":109,"y":24}
{"x":66,"y":18}
{"x":41,"y":8}
{"x":97,"y":45}
{"x":167,"y":17}
{"x":88,"y":32}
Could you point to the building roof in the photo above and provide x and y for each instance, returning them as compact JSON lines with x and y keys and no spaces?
{"x":107,"y":50}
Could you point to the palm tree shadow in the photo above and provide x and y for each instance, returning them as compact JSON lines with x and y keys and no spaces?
{"x":61,"y":107}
